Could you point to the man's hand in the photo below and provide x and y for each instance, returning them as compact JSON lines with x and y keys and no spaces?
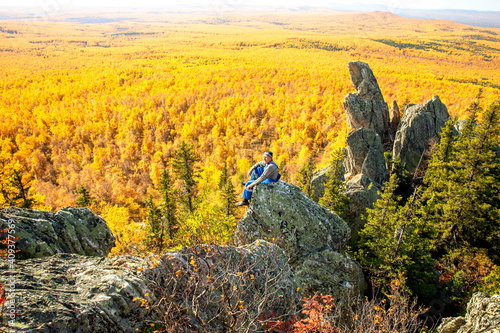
{"x":249,"y":187}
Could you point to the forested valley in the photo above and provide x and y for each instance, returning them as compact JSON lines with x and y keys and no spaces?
{"x":153,"y":123}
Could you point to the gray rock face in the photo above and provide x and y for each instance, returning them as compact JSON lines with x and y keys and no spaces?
{"x":451,"y":325}
{"x":70,"y":230}
{"x":419,"y":128}
{"x":395,"y":116}
{"x":311,"y":235}
{"x":365,"y":162}
{"x":364,"y":81}
{"x":205,"y":288}
{"x":362,"y":193}
{"x":318,"y":181}
{"x":365,"y":155}
{"x":483,"y":315}
{"x":366,"y":108}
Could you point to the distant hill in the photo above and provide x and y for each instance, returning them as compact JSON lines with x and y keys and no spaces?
{"x":489,"y":19}
{"x":470,"y":17}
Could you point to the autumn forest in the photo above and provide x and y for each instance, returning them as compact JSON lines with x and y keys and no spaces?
{"x":101,"y":108}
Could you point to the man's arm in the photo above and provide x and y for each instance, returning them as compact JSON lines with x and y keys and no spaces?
{"x":261,"y":164}
{"x":271,"y":168}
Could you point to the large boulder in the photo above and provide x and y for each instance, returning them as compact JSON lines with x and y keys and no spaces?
{"x":206,"y":288}
{"x":70,"y":230}
{"x":366,"y":108}
{"x":365,"y":155}
{"x":313,"y":237}
{"x":483,"y":315}
{"x":418,"y":130}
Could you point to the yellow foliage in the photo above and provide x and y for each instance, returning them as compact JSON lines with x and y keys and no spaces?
{"x":106,"y":105}
{"x":129,"y":234}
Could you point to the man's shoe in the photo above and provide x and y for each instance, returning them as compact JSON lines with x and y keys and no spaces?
{"x":244,"y":202}
{"x":243,"y":183}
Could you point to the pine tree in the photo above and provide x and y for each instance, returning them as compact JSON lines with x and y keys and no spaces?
{"x":84,"y":200}
{"x":154,"y":237}
{"x":15,"y":188}
{"x":334,"y":197}
{"x":462,"y":194}
{"x":168,"y":209}
{"x":376,"y":238}
{"x":392,"y":243}
{"x":228,"y":192}
{"x":184,"y":165}
{"x":162,"y":221}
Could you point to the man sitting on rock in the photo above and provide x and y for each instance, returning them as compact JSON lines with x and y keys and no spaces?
{"x":265,"y":171}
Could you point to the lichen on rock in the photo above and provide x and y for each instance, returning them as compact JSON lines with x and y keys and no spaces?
{"x":206,"y":288}
{"x":308,"y":232}
{"x":483,"y":315}
{"x":418,"y":130}
{"x":70,"y":230}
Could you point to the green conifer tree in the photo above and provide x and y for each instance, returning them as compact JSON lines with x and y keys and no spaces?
{"x":154,"y":239}
{"x":84,"y":200}
{"x":168,"y":209}
{"x":463,"y":185}
{"x":15,"y":187}
{"x":162,"y":221}
{"x":228,"y":192}
{"x":334,"y":197}
{"x":184,"y":165}
{"x":392,"y":245}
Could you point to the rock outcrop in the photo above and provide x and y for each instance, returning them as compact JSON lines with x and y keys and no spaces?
{"x":365,"y":163}
{"x":70,"y":230}
{"x":365,"y":155}
{"x":318,"y":181}
{"x":483,"y":315}
{"x":375,"y":133}
{"x":206,"y":288}
{"x":362,"y":193}
{"x":366,"y":108}
{"x":312,"y":236}
{"x":418,"y":130}
{"x":395,"y":116}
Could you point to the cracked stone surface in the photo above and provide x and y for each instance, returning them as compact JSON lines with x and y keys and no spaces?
{"x":312,"y":236}
{"x":365,"y":155}
{"x":366,"y":108}
{"x":418,"y":130}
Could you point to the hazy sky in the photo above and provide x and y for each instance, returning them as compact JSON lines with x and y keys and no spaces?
{"x":492,"y":5}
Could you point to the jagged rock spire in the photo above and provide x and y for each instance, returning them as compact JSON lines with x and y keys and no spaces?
{"x":366,"y":108}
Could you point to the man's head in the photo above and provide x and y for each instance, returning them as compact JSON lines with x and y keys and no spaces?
{"x":268,"y":156}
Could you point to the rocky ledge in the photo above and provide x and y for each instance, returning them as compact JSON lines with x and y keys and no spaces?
{"x":205,"y":288}
{"x":70,"y":230}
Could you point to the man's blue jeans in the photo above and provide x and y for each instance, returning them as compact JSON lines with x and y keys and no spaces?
{"x":257,"y":172}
